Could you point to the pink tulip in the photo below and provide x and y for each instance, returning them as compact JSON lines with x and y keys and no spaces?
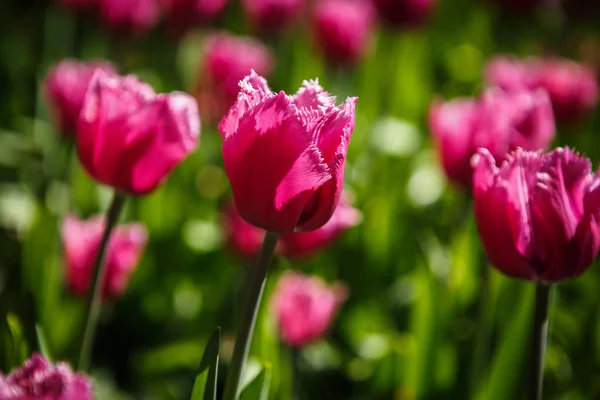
{"x":405,"y":13}
{"x":227,"y":60}
{"x":65,"y":87}
{"x":130,"y":16}
{"x":304,"y":307}
{"x":246,"y":239}
{"x":130,"y":138}
{"x":285,"y":155}
{"x":38,"y":379}
{"x":272,"y":15}
{"x":498,"y":121}
{"x":81,"y":240}
{"x":342,"y":29}
{"x":538,"y":213}
{"x":185,"y":14}
{"x":573,"y":88}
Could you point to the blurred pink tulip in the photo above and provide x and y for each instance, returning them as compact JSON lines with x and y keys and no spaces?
{"x":130,"y":138}
{"x":304,"y":307}
{"x":342,"y":29}
{"x":405,"y":13}
{"x":38,"y":379}
{"x":538,"y":213}
{"x":499,"y":121}
{"x":299,"y":189}
{"x":573,"y":88}
{"x":184,"y":14}
{"x":81,"y":240}
{"x":133,"y":17}
{"x":272,"y":15}
{"x":227,"y":60}
{"x":65,"y":87}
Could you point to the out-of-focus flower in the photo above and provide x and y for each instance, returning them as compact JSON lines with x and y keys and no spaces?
{"x":130,"y":16}
{"x":538,"y":213}
{"x":499,"y":121}
{"x":130,"y":138}
{"x":227,"y":59}
{"x":285,"y":155}
{"x":81,"y":240}
{"x":342,"y":29}
{"x":246,"y":239}
{"x":573,"y":88}
{"x":405,"y":13}
{"x":272,"y":15}
{"x":38,"y":379}
{"x":304,"y":307}
{"x":184,"y":14}
{"x":65,"y":87}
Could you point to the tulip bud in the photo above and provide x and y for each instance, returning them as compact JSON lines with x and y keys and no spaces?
{"x":130,"y":138}
{"x":342,"y":29}
{"x":304,"y":307}
{"x":537,"y":214}
{"x":272,"y":15}
{"x":81,"y":240}
{"x":133,"y":17}
{"x":65,"y":87}
{"x":405,"y":13}
{"x":498,"y":121}
{"x":185,"y":14}
{"x":37,"y":379}
{"x":299,"y":188}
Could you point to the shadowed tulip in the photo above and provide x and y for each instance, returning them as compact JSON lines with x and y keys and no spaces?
{"x":130,"y":138}
{"x":285,"y":155}
{"x":227,"y":60}
{"x":272,"y":15}
{"x":184,"y":14}
{"x":81,"y":240}
{"x":65,"y":87}
{"x":133,"y":17}
{"x":498,"y":121}
{"x":538,"y":213}
{"x":405,"y":13}
{"x":342,"y":29}
{"x":305,"y":306}
{"x":573,"y":88}
{"x":38,"y":379}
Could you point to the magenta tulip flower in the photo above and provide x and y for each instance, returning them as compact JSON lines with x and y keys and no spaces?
{"x":538,"y":213}
{"x":38,"y":379}
{"x":184,"y":14}
{"x":573,"y":88}
{"x":272,"y":15}
{"x":342,"y":29}
{"x":81,"y":240}
{"x":405,"y":13}
{"x":304,"y":307}
{"x":65,"y":87}
{"x":133,"y":17}
{"x":130,"y":138}
{"x":285,"y":155}
{"x":498,"y":121}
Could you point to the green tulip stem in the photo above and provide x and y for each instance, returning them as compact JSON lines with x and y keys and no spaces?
{"x":94,"y":299}
{"x":537,"y":349}
{"x":244,"y":337}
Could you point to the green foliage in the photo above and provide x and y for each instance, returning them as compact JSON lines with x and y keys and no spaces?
{"x":205,"y":384}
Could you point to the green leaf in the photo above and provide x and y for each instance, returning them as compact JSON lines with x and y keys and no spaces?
{"x":17,"y":352}
{"x":205,"y":385}
{"x":258,"y":388}
{"x":42,"y":342}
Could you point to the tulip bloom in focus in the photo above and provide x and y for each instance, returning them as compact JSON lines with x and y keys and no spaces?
{"x":498,"y":121}
{"x":130,"y":16}
{"x":272,"y":15}
{"x":405,"y":13}
{"x":538,"y":213}
{"x":38,"y":379}
{"x":573,"y":88}
{"x":304,"y":307}
{"x":342,"y":29}
{"x":285,"y":155}
{"x":65,"y":87}
{"x":184,"y":14}
{"x":130,"y":138}
{"x":246,"y":239}
{"x":227,"y":60}
{"x":81,"y":240}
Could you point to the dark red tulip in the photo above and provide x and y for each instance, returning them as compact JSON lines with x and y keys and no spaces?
{"x":272,"y":15}
{"x":133,"y":17}
{"x":184,"y":14}
{"x":405,"y":13}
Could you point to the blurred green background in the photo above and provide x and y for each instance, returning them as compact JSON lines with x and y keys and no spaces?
{"x":412,"y":327}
